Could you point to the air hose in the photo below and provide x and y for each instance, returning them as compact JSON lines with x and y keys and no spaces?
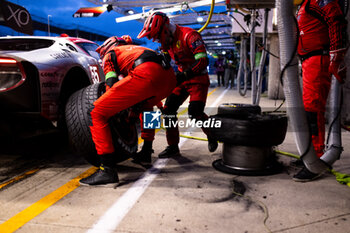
{"x":209,"y":17}
{"x":340,"y":177}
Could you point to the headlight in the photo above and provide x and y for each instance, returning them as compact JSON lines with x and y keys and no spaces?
{"x":11,"y":74}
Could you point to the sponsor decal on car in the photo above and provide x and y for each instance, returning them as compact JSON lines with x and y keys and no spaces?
{"x":61,"y":55}
{"x":50,"y":74}
{"x":49,"y":85}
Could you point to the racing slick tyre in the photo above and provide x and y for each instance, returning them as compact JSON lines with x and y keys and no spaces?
{"x":78,"y":119}
{"x":254,"y":130}
{"x":233,"y":109}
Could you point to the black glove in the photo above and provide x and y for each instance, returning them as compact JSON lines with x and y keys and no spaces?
{"x":180,"y":78}
{"x":110,"y":82}
{"x":165,"y":59}
{"x":183,"y":76}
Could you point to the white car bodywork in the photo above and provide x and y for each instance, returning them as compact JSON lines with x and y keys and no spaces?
{"x":53,"y":67}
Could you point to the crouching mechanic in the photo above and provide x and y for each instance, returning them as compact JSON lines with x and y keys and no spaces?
{"x":148,"y":78}
{"x":186,"y":47}
{"x":321,"y":47}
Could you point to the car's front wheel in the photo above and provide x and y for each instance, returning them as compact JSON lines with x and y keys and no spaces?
{"x":78,"y":119}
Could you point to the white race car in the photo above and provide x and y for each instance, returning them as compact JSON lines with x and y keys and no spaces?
{"x":38,"y":75}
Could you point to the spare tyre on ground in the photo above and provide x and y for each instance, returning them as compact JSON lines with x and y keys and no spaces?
{"x":252,"y":130}
{"x":248,"y":139}
{"x":78,"y":119}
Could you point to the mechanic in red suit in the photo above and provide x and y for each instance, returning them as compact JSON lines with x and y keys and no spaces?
{"x":186,"y":47}
{"x":321,"y":48}
{"x":148,"y":78}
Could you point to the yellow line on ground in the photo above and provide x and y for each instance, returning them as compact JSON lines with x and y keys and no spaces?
{"x":212,"y":91}
{"x":17,"y":178}
{"x":183,"y":112}
{"x":35,"y":209}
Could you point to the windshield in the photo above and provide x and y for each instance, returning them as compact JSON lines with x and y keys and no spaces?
{"x":24,"y":44}
{"x":90,"y":48}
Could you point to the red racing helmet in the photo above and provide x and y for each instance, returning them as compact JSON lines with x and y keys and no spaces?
{"x":112,"y":41}
{"x":154,"y":26}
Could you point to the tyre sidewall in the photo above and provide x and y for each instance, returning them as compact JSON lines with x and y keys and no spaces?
{"x":255,"y":130}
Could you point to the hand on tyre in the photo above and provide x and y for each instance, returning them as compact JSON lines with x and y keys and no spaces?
{"x":110,"y":82}
{"x":337,"y":65}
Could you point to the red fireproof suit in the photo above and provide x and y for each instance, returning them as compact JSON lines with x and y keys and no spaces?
{"x":148,"y":81}
{"x":321,"y":25}
{"x":189,"y":53}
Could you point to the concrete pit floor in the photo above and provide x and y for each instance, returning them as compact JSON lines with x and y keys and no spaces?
{"x":39,"y":191}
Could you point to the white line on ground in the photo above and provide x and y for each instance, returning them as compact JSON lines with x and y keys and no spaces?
{"x":116,"y":213}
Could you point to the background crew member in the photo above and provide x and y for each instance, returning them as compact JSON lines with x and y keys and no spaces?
{"x":220,"y":70}
{"x":321,"y":47}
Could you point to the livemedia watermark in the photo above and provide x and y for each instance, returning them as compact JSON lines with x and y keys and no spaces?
{"x":155,"y":120}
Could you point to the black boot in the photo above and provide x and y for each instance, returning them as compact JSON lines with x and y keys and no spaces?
{"x":304,"y":175}
{"x":170,"y":151}
{"x":103,"y":176}
{"x":144,"y":157}
{"x":106,"y":175}
{"x":212,"y":144}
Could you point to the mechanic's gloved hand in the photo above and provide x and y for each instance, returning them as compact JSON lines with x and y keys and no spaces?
{"x":180,"y":78}
{"x":110,"y":82}
{"x":166,"y":59}
{"x":337,"y":65}
{"x":183,"y":76}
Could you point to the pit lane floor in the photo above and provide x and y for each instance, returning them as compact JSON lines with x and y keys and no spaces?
{"x":39,"y":191}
